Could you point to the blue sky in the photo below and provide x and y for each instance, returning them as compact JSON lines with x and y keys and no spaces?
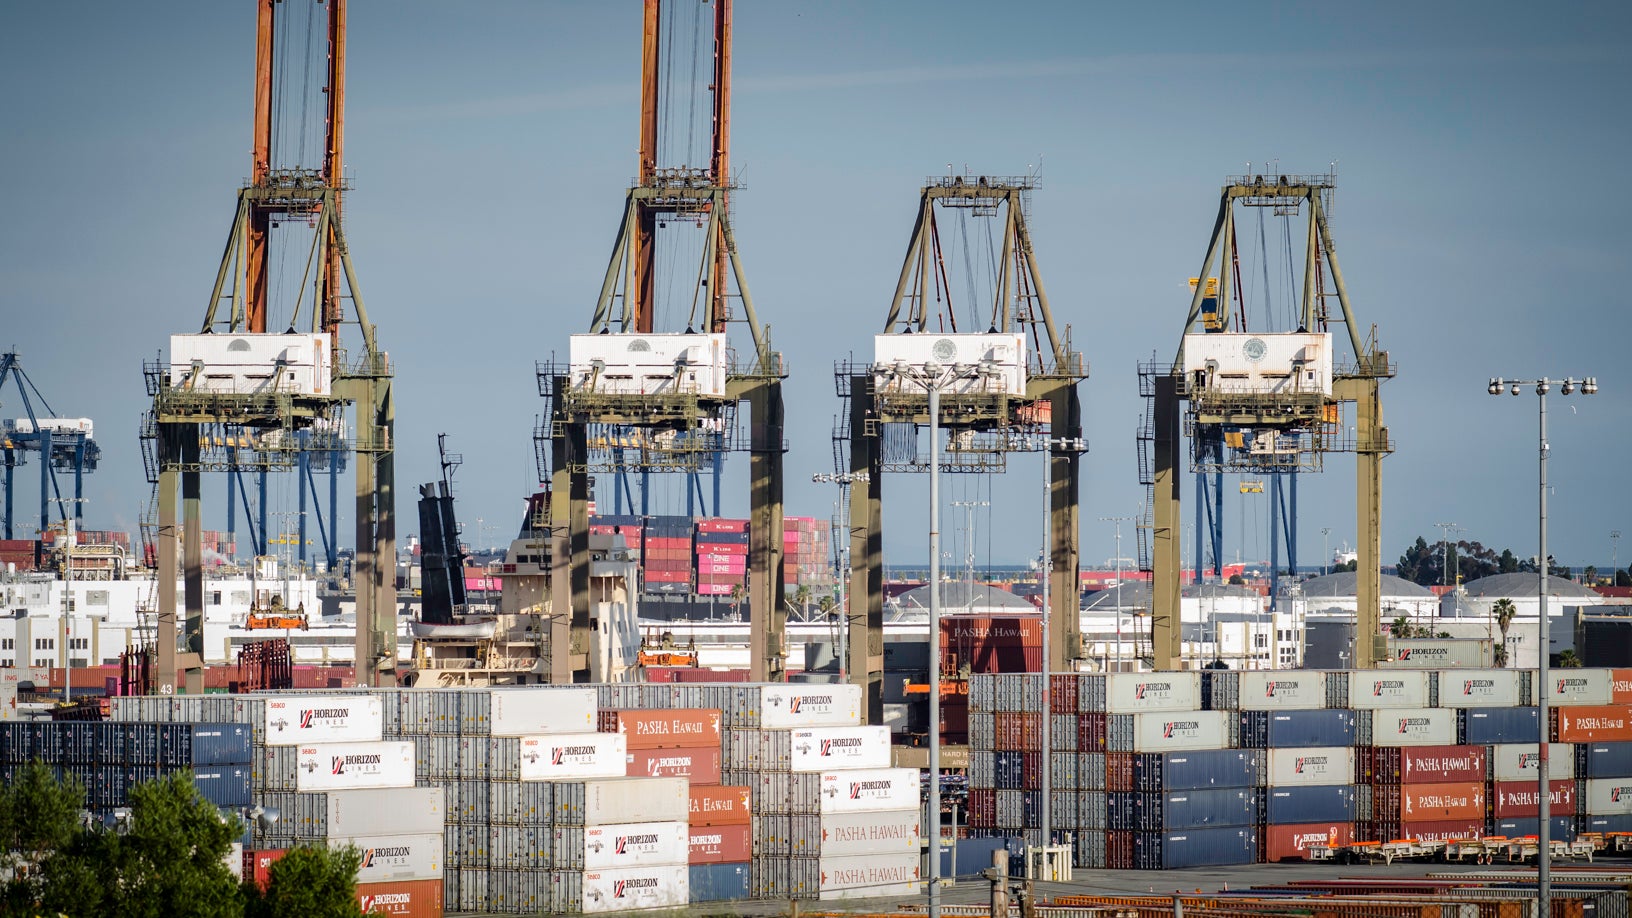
{"x":1479,"y":219}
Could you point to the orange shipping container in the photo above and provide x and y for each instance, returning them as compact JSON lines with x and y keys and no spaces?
{"x":402,"y":899}
{"x":1592,"y":723}
{"x":1435,"y":802}
{"x":719,"y":806}
{"x":1620,"y":686}
{"x":676,"y":728}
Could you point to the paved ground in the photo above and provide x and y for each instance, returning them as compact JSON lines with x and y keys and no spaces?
{"x":1105,"y":883}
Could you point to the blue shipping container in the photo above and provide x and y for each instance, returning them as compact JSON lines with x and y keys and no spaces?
{"x":1152,"y":811}
{"x":1489,"y":726}
{"x":719,"y":882}
{"x":219,"y":744}
{"x":1603,"y":760}
{"x":1195,"y":848}
{"x":972,"y":855}
{"x":1274,"y":729}
{"x":110,"y":743}
{"x":1195,"y":770}
{"x":1563,"y":827}
{"x":1620,"y":823}
{"x":224,"y":786}
{"x":142,"y":745}
{"x":78,"y":742}
{"x":1292,"y":805}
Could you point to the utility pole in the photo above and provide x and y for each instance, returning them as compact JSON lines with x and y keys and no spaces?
{"x":1326,"y":544}
{"x":1445,"y":530}
{"x":844,"y":480}
{"x":1117,"y":561}
{"x":968,"y":507}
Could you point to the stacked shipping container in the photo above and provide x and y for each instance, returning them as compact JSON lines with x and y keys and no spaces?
{"x":805,"y":548}
{"x":722,"y":557}
{"x":666,"y":559}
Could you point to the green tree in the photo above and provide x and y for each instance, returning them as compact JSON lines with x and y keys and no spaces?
{"x":1623,"y":578}
{"x":309,"y":881}
{"x":1420,"y":564}
{"x":39,"y":815}
{"x":1568,"y":660}
{"x":1508,"y":563}
{"x":1590,"y":575}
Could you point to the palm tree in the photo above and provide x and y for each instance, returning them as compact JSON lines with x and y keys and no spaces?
{"x":1504,"y":610}
{"x":1568,"y":660}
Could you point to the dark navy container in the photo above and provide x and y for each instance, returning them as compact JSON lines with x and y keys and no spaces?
{"x":1151,"y":811}
{"x":1292,"y":805}
{"x":142,"y":744}
{"x":1009,"y":770}
{"x":227,"y":785}
{"x":1272,"y":729}
{"x":1489,"y":726}
{"x":110,"y":743}
{"x":217,"y":744}
{"x":1195,"y":848}
{"x":108,"y":787}
{"x":1168,"y":771}
{"x":719,"y":882}
{"x":78,"y":739}
{"x":1617,"y":823}
{"x":42,"y":742}
{"x":11,"y":740}
{"x":1603,"y":760}
{"x":1563,"y":827}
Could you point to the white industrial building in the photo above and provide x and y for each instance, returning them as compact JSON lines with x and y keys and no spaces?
{"x":1337,"y":595}
{"x":1219,"y":622}
{"x":1477,"y":598}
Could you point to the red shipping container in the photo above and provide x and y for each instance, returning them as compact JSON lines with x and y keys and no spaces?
{"x":662,"y":576}
{"x":1294,"y":841}
{"x":663,"y":542}
{"x":1119,"y":771}
{"x":1514,"y":799}
{"x":720,"y":844}
{"x":1437,"y":830}
{"x":982,"y":808}
{"x":1592,"y":723}
{"x":715,"y":566}
{"x":725,"y":548}
{"x":1062,"y":693}
{"x":714,"y":589}
{"x":1621,"y":686}
{"x":259,"y":865}
{"x":1430,"y":802}
{"x":658,"y":674}
{"x":991,"y":643}
{"x":1419,"y":764}
{"x":402,"y":899}
{"x":700,"y":765}
{"x":673,"y":728}
{"x":722,"y":525}
{"x":711,"y":675}
{"x":1016,"y":731}
{"x":716,"y":805}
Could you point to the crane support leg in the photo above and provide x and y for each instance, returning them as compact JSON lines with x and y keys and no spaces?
{"x":1165,"y":632}
{"x":166,"y":677}
{"x":1064,"y":553}
{"x":375,"y":571}
{"x":192,"y":561}
{"x":767,"y":613}
{"x":864,"y":620}
{"x":569,"y":547}
{"x":1371,"y":444}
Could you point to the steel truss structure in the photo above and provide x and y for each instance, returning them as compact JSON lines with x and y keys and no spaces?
{"x":1287,"y":431}
{"x":878,"y":429}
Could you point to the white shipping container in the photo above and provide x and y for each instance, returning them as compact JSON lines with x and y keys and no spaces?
{"x":1172,"y":731}
{"x":853,"y":834}
{"x":794,"y":706}
{"x":1137,"y":693}
{"x":1431,"y":653}
{"x":1408,"y":727}
{"x":345,"y":766}
{"x":1581,"y":686}
{"x":1311,"y":765}
{"x":303,"y":720}
{"x":613,"y":801}
{"x":385,"y":811}
{"x":396,"y":858}
{"x":531,"y":711}
{"x":830,"y":748}
{"x":573,"y":755}
{"x":1522,"y":761}
{"x":8,"y":701}
{"x":1607,"y":796}
{"x":869,"y":789}
{"x":637,"y":844}
{"x":1371,"y":689}
{"x":630,"y":888}
{"x":1282,"y":690}
{"x":1479,"y":688}
{"x":871,"y":875}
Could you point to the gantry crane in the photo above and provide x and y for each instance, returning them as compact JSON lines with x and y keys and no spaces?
{"x":236,"y":395}
{"x":633,"y":398}
{"x":1263,"y":402}
{"x":63,"y":445}
{"x":1011,"y":387}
